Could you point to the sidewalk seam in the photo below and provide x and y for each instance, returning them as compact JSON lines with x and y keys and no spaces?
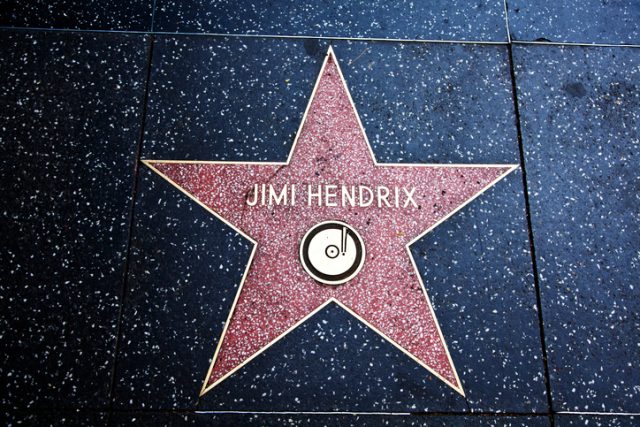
{"x":534,"y":264}
{"x":134,"y":193}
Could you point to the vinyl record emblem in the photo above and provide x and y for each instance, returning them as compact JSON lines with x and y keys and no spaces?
{"x":332,"y":252}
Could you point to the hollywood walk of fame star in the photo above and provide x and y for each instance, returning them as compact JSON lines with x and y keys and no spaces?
{"x":278,"y":292}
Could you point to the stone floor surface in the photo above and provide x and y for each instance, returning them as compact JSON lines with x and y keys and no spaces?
{"x":115,"y":287}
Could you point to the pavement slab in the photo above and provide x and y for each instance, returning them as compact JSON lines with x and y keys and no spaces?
{"x":436,"y":20}
{"x":580,"y":136}
{"x":70,"y":127}
{"x":111,"y":15}
{"x":589,"y":22}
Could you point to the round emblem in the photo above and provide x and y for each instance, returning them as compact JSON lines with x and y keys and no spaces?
{"x":332,"y":252}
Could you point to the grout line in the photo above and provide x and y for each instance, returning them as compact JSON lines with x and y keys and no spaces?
{"x":110,"y":412}
{"x":471,"y":412}
{"x":534,"y":265}
{"x":244,"y":35}
{"x":506,"y":20}
{"x":550,"y":43}
{"x":606,"y":414}
{"x":382,"y":413}
{"x":371,"y":39}
{"x":405,"y":414}
{"x":328,"y":37}
{"x":134,"y":192}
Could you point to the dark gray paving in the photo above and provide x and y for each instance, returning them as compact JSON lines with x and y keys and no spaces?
{"x":184,"y":270}
{"x":70,"y":109}
{"x":325,"y":420}
{"x":243,"y":99}
{"x":70,"y":114}
{"x":132,"y":15}
{"x":476,"y":267}
{"x":578,"y":21}
{"x":433,"y":103}
{"x":228,"y":98}
{"x":404,"y":19}
{"x":580,"y":109}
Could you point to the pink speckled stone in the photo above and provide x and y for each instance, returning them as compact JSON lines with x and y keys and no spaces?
{"x":277,"y":292}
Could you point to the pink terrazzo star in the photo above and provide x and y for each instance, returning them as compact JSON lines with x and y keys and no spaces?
{"x":277,"y":294}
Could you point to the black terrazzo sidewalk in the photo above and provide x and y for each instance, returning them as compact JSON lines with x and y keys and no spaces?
{"x":114,"y":287}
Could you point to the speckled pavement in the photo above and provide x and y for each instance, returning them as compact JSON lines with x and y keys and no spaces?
{"x":116,"y":286}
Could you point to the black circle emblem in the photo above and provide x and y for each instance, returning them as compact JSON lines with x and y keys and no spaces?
{"x":332,"y":252}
